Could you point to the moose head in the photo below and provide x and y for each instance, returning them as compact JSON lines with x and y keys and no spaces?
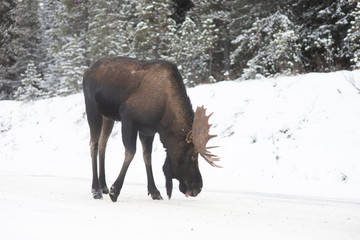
{"x":183,"y":163}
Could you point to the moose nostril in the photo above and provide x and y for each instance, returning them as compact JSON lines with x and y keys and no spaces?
{"x":195,"y":192}
{"x":195,"y":188}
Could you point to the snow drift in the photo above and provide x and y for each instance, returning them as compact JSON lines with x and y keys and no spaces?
{"x":287,"y":137}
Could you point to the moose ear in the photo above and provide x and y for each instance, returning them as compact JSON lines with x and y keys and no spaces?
{"x":189,"y":137}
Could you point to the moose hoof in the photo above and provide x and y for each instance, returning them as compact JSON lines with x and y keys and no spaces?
{"x":105,"y":190}
{"x":114,"y":193}
{"x":96,"y":193}
{"x":155,"y":195}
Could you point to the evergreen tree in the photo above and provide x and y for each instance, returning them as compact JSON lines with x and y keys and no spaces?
{"x":187,"y":53}
{"x":319,"y":28}
{"x":71,"y":66}
{"x":61,"y":37}
{"x":155,"y":30}
{"x":30,"y":83}
{"x":72,"y":19}
{"x":49,"y":24}
{"x":216,"y":13}
{"x":244,"y":18}
{"x":7,"y":54}
{"x":127,"y":22}
{"x":70,"y":49}
{"x":324,"y":26}
{"x":198,"y":35}
{"x":104,"y":29}
{"x":284,"y":50}
{"x":353,"y":37}
{"x":194,"y":56}
{"x":27,"y":36}
{"x":272,"y":43}
{"x":222,"y":68}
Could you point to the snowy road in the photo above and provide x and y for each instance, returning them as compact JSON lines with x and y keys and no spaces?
{"x":52,"y":207}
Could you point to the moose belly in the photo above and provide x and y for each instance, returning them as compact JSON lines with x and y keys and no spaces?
{"x":108,"y":107}
{"x":110,"y":110}
{"x":147,"y":111}
{"x":148,"y":130}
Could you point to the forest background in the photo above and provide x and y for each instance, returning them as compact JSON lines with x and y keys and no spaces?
{"x":46,"y":45}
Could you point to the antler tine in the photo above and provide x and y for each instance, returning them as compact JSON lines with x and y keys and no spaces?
{"x":201,"y":136}
{"x":212,"y":147}
{"x":210,"y":158}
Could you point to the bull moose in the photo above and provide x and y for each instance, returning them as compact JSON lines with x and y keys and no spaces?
{"x":148,"y":97}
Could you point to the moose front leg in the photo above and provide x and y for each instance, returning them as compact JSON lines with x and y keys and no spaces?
{"x":116,"y":187}
{"x":129,"y":136}
{"x":147,"y":142}
{"x":168,"y":176}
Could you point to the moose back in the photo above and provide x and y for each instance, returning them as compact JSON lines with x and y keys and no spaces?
{"x":148,"y":97}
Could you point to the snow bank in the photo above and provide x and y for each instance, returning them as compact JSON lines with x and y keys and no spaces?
{"x":297,"y":135}
{"x":290,"y":135}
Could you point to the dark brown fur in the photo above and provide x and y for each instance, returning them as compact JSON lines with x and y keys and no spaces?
{"x":148,"y":97}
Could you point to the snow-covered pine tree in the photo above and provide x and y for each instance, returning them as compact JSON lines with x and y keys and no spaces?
{"x":323,"y":28}
{"x":49,"y":24}
{"x":70,"y":48}
{"x":243,"y":18}
{"x":218,"y":13}
{"x":127,"y":22}
{"x":27,"y":34}
{"x":73,"y":18}
{"x":187,"y":53}
{"x":155,"y":30}
{"x":198,"y":35}
{"x":272,"y":43}
{"x":353,"y":37}
{"x":105,"y":29}
{"x":71,"y":66}
{"x":194,"y":55}
{"x":284,"y":51}
{"x":7,"y":55}
{"x":223,"y":46}
{"x":30,"y":84}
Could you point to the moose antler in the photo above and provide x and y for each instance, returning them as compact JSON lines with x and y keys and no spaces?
{"x":200,"y":136}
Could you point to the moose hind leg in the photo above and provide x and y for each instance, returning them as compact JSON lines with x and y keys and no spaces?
{"x":107,"y":126}
{"x":95,"y":130}
{"x":147,"y":142}
{"x":95,"y":190}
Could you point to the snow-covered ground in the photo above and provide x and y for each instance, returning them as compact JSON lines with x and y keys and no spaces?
{"x":289,"y":147}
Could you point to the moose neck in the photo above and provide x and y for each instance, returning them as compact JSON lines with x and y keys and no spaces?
{"x":178,"y":115}
{"x":177,"y":122}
